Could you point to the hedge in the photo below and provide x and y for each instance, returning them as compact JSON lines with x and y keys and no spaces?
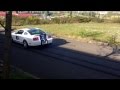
{"x":33,"y":20}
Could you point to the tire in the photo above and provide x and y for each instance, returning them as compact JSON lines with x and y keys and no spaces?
{"x":25,"y":44}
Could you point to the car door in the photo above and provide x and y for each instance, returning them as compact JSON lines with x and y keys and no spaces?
{"x":26,"y":36}
{"x":19,"y":36}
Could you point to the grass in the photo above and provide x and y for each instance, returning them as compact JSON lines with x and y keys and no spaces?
{"x":90,"y":31}
{"x":16,"y":74}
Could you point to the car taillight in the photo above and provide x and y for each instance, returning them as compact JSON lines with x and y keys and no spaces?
{"x":35,"y":38}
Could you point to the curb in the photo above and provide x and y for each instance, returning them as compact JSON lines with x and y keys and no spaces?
{"x":28,"y":74}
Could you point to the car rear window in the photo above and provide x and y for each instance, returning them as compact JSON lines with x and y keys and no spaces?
{"x":35,"y":31}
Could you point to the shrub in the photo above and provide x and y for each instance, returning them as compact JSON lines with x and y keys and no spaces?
{"x":116,"y":20}
{"x":33,"y":20}
{"x":70,"y":20}
{"x":2,"y":20}
{"x":18,"y":20}
{"x":98,"y":20}
{"x":56,"y":20}
{"x":112,"y":40}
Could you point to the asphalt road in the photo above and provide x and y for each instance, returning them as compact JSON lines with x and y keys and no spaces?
{"x":61,"y":61}
{"x":55,"y":62}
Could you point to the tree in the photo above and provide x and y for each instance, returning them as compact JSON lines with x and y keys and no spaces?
{"x":7,"y":46}
{"x":44,"y":14}
{"x":71,"y":14}
{"x":93,"y":14}
{"x":110,"y":13}
{"x":47,"y":13}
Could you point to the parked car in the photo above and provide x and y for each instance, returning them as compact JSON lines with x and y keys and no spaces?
{"x":31,"y":37}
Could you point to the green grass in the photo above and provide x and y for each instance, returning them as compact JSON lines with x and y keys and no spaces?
{"x":94,"y":31}
{"x":15,"y":74}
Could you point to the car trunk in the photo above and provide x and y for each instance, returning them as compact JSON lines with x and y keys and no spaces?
{"x":43,"y":36}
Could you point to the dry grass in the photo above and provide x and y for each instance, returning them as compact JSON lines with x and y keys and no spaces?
{"x":94,"y":31}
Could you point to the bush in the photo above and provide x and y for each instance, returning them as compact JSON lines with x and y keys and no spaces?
{"x":65,"y":20}
{"x":44,"y":21}
{"x":2,"y":20}
{"x":18,"y":20}
{"x":70,"y":20}
{"x":56,"y":20}
{"x":82,"y":19}
{"x":98,"y":20}
{"x":112,"y":40}
{"x":33,"y":20}
{"x":116,"y":20}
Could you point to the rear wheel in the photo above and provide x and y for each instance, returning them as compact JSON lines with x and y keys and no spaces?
{"x":25,"y":44}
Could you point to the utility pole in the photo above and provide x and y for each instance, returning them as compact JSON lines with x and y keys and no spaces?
{"x":7,"y":46}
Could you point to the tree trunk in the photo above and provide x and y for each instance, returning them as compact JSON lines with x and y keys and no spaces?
{"x":71,"y":14}
{"x":7,"y":45}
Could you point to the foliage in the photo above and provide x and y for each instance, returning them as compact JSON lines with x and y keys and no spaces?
{"x":112,"y":40}
{"x":33,"y":20}
{"x":94,"y":31}
{"x":89,"y":34}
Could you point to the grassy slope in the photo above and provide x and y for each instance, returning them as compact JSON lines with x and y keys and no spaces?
{"x":96,"y":31}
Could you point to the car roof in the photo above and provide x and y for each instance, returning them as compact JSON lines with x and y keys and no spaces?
{"x":26,"y":29}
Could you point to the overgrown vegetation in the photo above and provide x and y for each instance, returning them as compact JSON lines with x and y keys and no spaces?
{"x":34,"y":20}
{"x":93,"y":34}
{"x":113,"y":40}
{"x":91,"y":31}
{"x":91,"y":27}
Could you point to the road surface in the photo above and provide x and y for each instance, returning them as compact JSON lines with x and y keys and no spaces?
{"x":64,"y":59}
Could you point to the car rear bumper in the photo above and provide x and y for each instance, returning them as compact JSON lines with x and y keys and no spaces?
{"x":50,"y":40}
{"x":37,"y":43}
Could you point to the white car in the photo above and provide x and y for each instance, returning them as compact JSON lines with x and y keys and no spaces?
{"x":31,"y":37}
